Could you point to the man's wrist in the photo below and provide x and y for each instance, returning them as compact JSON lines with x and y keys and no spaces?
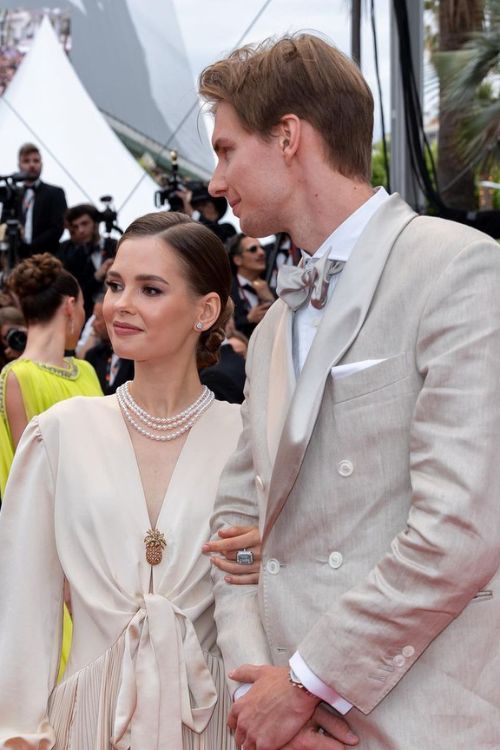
{"x":294,"y":680}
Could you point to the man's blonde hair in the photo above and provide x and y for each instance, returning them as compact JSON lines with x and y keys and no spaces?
{"x":303,"y":75}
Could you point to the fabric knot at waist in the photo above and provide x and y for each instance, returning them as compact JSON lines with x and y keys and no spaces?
{"x":164,"y":682}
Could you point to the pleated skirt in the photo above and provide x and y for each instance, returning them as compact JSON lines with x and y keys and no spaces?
{"x":82,"y":708}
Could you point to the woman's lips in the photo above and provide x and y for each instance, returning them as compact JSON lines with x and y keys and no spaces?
{"x":123,"y":329}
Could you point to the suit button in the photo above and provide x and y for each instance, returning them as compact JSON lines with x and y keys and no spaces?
{"x":273,"y":566}
{"x":399,"y":660}
{"x":259,"y":483}
{"x":408,"y":651}
{"x":345,"y":468}
{"x":335,"y":560}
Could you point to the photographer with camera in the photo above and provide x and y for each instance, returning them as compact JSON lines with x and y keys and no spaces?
{"x":87,"y":255}
{"x":38,"y":207}
{"x":192,"y":198}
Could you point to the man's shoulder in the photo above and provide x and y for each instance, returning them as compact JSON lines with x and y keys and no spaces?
{"x":45,"y":187}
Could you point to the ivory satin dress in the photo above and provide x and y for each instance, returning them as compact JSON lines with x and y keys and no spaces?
{"x":144,"y":670}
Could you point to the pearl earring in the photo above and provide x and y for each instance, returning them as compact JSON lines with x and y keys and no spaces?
{"x":199,"y":326}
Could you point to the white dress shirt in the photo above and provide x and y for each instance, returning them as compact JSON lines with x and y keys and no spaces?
{"x":339,"y":246}
{"x":28,"y":203}
{"x":250,"y":296}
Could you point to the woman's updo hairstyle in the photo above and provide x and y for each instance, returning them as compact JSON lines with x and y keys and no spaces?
{"x":41,"y":283}
{"x":206,"y":266}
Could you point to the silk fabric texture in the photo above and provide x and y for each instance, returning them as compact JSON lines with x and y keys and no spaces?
{"x":75,"y":506}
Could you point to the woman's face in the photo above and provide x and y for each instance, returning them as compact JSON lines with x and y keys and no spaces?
{"x":149,"y":309}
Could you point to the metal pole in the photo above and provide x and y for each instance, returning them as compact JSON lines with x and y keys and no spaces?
{"x":402,"y":179}
{"x":356,"y":31}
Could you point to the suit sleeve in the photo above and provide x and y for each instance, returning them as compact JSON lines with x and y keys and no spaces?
{"x":241,"y":636}
{"x":31,"y":590}
{"x":373,"y":634}
{"x":55,"y":208}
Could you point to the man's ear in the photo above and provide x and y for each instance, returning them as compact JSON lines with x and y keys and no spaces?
{"x":288,"y":132}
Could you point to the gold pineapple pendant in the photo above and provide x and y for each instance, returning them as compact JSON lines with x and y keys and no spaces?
{"x":155,"y":544}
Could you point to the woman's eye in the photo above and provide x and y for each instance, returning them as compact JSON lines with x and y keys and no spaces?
{"x":151,"y":291}
{"x":113,"y":286}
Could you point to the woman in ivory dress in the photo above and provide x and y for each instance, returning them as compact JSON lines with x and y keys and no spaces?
{"x":115,"y":494}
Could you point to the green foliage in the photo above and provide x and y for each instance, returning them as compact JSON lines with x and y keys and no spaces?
{"x":379,"y":172}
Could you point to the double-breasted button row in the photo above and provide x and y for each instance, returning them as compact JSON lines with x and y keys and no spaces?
{"x":273,"y":566}
{"x":406,"y":653}
{"x":345,"y":467}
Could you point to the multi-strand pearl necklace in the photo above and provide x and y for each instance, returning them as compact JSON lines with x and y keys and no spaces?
{"x":165,"y":428}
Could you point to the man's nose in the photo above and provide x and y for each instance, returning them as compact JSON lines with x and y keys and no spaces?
{"x":217,"y":185}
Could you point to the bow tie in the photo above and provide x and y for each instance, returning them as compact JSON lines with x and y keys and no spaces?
{"x":296,"y":285}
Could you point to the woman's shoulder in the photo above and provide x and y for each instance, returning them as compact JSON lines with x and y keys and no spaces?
{"x":78,"y":409}
{"x":229,"y":414}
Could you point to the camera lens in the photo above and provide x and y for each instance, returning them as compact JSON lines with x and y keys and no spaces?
{"x":16,"y":339}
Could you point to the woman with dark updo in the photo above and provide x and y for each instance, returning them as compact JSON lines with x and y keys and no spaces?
{"x":115,"y":494}
{"x":52,"y":306}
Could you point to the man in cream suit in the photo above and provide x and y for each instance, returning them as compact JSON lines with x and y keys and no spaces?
{"x":370,"y":448}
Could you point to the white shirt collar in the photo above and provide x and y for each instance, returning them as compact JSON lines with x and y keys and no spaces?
{"x":340,"y":243}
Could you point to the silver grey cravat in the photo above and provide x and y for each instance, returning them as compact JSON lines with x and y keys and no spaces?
{"x":296,"y":285}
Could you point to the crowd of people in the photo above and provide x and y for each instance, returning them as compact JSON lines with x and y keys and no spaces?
{"x":315,"y":570}
{"x":87,"y":254}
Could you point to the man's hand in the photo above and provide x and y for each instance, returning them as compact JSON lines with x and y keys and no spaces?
{"x":272,"y":712}
{"x":257,"y":313}
{"x":101,"y":272}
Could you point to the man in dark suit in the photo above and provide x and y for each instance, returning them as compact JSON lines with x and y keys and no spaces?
{"x":111,"y":370}
{"x":250,"y":293}
{"x":42,"y":208}
{"x":227,"y":378}
{"x":86,"y":254}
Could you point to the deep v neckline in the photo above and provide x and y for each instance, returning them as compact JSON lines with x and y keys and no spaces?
{"x":137,"y":472}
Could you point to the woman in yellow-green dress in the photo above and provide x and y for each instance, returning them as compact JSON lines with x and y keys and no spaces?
{"x":52,"y":304}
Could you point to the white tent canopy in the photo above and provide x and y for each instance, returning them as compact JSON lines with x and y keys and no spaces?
{"x":46,"y":104}
{"x":131,"y":57}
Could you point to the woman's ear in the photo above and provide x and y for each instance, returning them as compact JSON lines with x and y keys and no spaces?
{"x":209,"y":310}
{"x":69,"y":306}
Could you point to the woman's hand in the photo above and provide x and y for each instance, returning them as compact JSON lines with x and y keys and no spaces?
{"x":233,"y":539}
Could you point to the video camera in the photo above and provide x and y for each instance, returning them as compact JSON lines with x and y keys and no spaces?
{"x":11,"y":193}
{"x":108,"y":215}
{"x":169,"y":193}
{"x":11,"y":199}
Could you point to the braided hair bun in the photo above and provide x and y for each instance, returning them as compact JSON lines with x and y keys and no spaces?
{"x":207,"y":353}
{"x":41,"y":283}
{"x":35,"y":275}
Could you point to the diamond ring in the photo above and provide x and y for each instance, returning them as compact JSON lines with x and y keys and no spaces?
{"x":244,"y":557}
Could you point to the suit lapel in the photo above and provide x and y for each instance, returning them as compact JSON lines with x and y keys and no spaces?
{"x":341,"y":323}
{"x":281,"y":379}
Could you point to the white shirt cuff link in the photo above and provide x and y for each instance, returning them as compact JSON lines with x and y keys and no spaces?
{"x":316,"y":686}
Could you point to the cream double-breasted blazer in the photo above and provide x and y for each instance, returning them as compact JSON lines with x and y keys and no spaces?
{"x":378,"y":494}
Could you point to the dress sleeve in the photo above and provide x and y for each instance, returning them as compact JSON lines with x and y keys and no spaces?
{"x":31,"y":598}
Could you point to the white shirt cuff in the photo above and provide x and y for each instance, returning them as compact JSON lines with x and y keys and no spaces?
{"x":241,"y":690}
{"x":316,"y":686}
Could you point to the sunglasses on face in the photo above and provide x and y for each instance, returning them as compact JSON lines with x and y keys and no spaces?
{"x":252,"y":249}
